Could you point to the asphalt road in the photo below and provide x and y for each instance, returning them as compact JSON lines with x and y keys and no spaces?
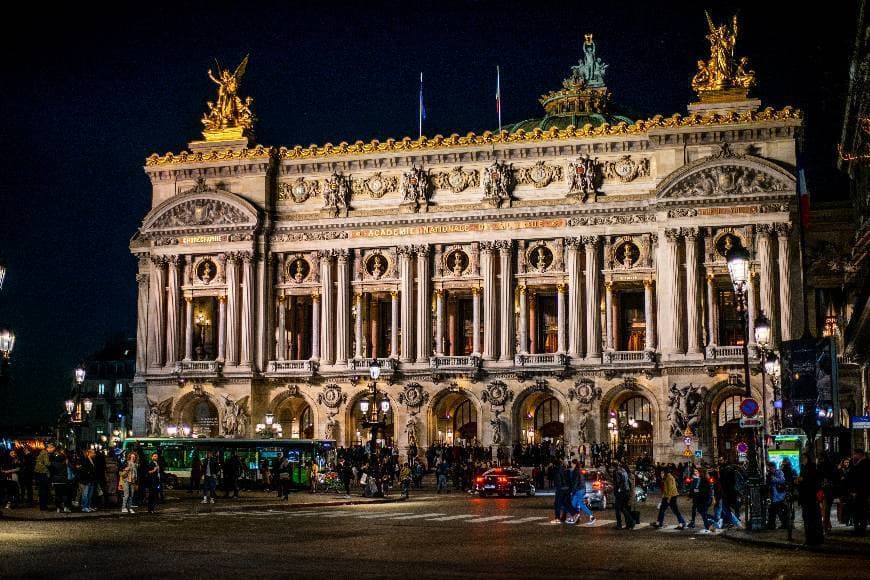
{"x":428,"y":536}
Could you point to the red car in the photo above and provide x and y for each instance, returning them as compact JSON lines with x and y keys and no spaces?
{"x":504,"y":481}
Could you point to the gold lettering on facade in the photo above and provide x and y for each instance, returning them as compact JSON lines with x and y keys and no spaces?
{"x":458,"y":228}
{"x":201,"y":239}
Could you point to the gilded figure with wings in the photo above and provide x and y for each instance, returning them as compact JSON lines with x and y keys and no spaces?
{"x":229,"y":111}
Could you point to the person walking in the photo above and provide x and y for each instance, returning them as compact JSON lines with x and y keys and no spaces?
{"x":857,"y":485}
{"x":669,"y":500}
{"x":43,"y":477}
{"x":153,"y":482}
{"x":778,"y":490}
{"x":211,"y":473}
{"x":703,"y":498}
{"x":808,"y":484}
{"x":441,"y":475}
{"x":128,"y":477}
{"x":622,"y":488}
{"x":578,"y":496}
{"x":405,"y":479}
{"x":61,"y":481}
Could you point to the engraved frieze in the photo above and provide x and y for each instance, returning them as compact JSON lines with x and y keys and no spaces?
{"x":456,"y":180}
{"x":201,"y":212}
{"x":539,"y":175}
{"x":376,"y":185}
{"x":299,"y":190}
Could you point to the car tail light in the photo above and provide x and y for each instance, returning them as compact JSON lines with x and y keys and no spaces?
{"x":596,"y":485}
{"x":583,"y":471}
{"x":688,"y":480}
{"x":502,"y":479}
{"x":479,"y":480}
{"x":712,"y":480}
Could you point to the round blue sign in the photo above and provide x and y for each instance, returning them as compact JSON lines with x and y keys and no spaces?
{"x":749,"y":407}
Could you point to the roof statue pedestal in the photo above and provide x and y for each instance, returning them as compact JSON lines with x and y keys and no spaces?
{"x":582,"y":100}
{"x":229,"y":121}
{"x":722,"y":83}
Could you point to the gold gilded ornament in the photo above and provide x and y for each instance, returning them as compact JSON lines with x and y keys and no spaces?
{"x":229,"y":117}
{"x":723,"y":77}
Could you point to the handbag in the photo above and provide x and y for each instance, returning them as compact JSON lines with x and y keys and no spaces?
{"x":363,"y":479}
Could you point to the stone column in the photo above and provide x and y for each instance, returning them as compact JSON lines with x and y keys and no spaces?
{"x":593,"y":315}
{"x":692,"y":328}
{"x":263,"y":322}
{"x":490,"y":331}
{"x":608,"y":315}
{"x":451,"y":326}
{"x":222,"y":327}
{"x":783,"y":232}
{"x":188,"y":328}
{"x":142,"y":279}
{"x":232,"y":338}
{"x":439,"y":322}
{"x":575,"y":298}
{"x":157,"y":307}
{"x":327,"y":322}
{"x":533,"y":324}
{"x":247,"y":346}
{"x":374,"y":325}
{"x":752,"y":311}
{"x":358,"y":327}
{"x":315,"y":326}
{"x":282,"y":328}
{"x":424,"y":332}
{"x":172,"y":312}
{"x":765,"y":280}
{"x":671,"y":271}
{"x":406,"y":297}
{"x":475,"y":322}
{"x":524,"y":321}
{"x":394,"y":324}
{"x":712,"y":319}
{"x":342,"y":310}
{"x":560,"y":318}
{"x":648,"y":316}
{"x":507,"y":302}
{"x":292,"y":330}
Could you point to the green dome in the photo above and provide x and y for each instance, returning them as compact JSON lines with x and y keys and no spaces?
{"x":578,"y":120}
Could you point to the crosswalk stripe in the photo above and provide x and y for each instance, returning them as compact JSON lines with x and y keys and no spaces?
{"x":551,"y":523}
{"x":419,"y":516}
{"x":489,"y":519}
{"x":383,"y":516}
{"x":449,"y":518}
{"x":598,"y":523}
{"x":525,"y":520}
{"x":337,"y":514}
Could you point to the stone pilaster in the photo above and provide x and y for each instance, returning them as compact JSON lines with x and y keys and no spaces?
{"x":649,"y":316}
{"x":490,"y":332}
{"x":766,"y":285}
{"x":232,"y":324}
{"x":188,"y":328}
{"x":783,"y":233}
{"x":475,"y":323}
{"x":712,"y":319}
{"x":394,"y":324}
{"x":692,"y":328}
{"x":142,"y":279}
{"x":282,"y":329}
{"x":342,"y":309}
{"x":327,"y":322}
{"x":358,"y":326}
{"x":424,"y":335}
{"x":439,"y":322}
{"x":406,"y":297}
{"x":222,"y":327}
{"x":506,"y":350}
{"x":575,"y":298}
{"x":156,"y":318}
{"x":560,"y":319}
{"x":671,"y":311}
{"x":524,"y":321}
{"x":608,"y":315}
{"x":248,"y":288}
{"x":173,"y":308}
{"x":315,"y":327}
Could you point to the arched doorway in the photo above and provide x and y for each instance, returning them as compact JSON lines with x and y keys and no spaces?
{"x":454,"y":420}
{"x":631,"y":425}
{"x":728,"y":433}
{"x":359,"y":435}
{"x":541,"y":419}
{"x":296,"y":419}
{"x":202,"y":416}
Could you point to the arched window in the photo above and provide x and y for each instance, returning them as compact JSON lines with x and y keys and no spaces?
{"x":306,"y":424}
{"x":636,"y":408}
{"x":464,"y":421}
{"x":549,"y":411}
{"x":729,"y":409}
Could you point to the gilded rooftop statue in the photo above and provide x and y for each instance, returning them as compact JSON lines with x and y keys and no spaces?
{"x":230,"y":116}
{"x":723,"y":76}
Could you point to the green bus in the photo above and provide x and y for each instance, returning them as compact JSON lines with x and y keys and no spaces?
{"x":178,"y":454}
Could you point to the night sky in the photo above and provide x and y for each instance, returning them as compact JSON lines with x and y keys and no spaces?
{"x":87,"y":96}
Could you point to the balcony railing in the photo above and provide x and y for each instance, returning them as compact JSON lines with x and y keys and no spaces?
{"x":363,"y":364}
{"x":292,"y":367}
{"x":729,"y":352}
{"x":628,"y":356}
{"x":454,"y":362}
{"x":198,"y":367}
{"x":548,"y":359}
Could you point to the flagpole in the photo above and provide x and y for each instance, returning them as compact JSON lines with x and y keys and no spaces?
{"x":420,"y":116}
{"x":498,"y":94}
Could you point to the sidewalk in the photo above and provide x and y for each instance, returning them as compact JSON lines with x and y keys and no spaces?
{"x":179,"y":502}
{"x":839,"y":540}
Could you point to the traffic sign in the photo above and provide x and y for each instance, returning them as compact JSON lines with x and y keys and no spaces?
{"x":742,"y":447}
{"x":699,"y":454}
{"x":687,"y":452}
{"x":751,"y":422}
{"x":861,"y":422}
{"x":749,"y":407}
{"x":687,"y":441}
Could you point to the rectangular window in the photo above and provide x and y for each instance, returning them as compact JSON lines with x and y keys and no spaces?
{"x":119,"y":389}
{"x":730,"y":327}
{"x":101,"y":389}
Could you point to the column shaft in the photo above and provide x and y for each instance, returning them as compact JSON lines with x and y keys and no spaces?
{"x":593,"y":315}
{"x":358,"y":327}
{"x":188,"y":328}
{"x":489,"y":301}
{"x":232,"y":337}
{"x":247,"y":346}
{"x":439,"y":322}
{"x":692,"y":327}
{"x":608,"y":315}
{"x":342,"y":309}
{"x":172,"y":311}
{"x":785,"y":293}
{"x":406,"y":297}
{"x":765,"y":279}
{"x":394,"y":324}
{"x":475,"y":322}
{"x":560,"y":318}
{"x":315,"y":327}
{"x":711,"y":311}
{"x":222,"y":327}
{"x":142,"y":279}
{"x":575,"y":300}
{"x":524,"y":321}
{"x":508,"y":338}
{"x":424,"y":333}
{"x":327,"y":322}
{"x":282,"y":328}
{"x":648,"y":314}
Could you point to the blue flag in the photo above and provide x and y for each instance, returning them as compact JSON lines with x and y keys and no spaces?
{"x":422,"y":106}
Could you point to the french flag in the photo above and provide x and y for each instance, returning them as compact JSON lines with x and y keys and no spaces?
{"x":498,"y":95}
{"x":803,"y":198}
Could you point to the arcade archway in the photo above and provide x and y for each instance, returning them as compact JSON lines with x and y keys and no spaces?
{"x":357,"y":434}
{"x":541,"y":418}
{"x":203,"y":417}
{"x":631,"y":422}
{"x":453,"y":420}
{"x":295,"y":416}
{"x":727,"y":434}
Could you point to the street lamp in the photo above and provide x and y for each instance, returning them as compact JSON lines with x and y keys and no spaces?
{"x":80,"y":375}
{"x":7,"y":343}
{"x":88,"y":406}
{"x":69,"y":404}
{"x":374,"y":422}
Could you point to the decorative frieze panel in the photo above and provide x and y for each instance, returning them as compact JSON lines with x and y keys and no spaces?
{"x":336,"y":195}
{"x":625,"y":169}
{"x":415,"y":189}
{"x":201,"y":212}
{"x":583,"y":177}
{"x":298,"y":191}
{"x":540,"y":174}
{"x":376,"y":185}
{"x":498,"y":184}
{"x":610,"y":220}
{"x":456,"y":180}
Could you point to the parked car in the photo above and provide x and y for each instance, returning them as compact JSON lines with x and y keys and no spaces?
{"x":599,"y":489}
{"x":504,"y":481}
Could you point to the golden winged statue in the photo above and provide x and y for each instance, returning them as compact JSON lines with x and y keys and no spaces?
{"x":229,"y":116}
{"x":723,"y":72}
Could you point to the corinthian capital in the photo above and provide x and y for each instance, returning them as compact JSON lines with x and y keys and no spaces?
{"x":573,"y":242}
{"x":590,"y":241}
{"x":324,"y":255}
{"x":158,"y":261}
{"x":422,"y":251}
{"x":672,"y":233}
{"x":487,"y":247}
{"x":690,"y":233}
{"x":782,"y":229}
{"x":764,"y":230}
{"x":142,"y":279}
{"x":404,"y":250}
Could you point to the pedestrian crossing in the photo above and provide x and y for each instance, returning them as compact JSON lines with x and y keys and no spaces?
{"x":426,"y":517}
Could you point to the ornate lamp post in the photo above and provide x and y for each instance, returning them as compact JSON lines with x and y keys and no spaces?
{"x":269,"y":429}
{"x":78,"y":408}
{"x":762,"y":339}
{"x":374,"y":421}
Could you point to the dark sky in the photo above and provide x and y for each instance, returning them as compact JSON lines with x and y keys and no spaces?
{"x":87,"y":95}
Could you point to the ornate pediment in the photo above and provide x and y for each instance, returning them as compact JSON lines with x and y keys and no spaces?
{"x":726,"y":174}
{"x":201,"y":207}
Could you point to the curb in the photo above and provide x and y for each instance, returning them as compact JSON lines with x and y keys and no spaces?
{"x":114,"y":513}
{"x":821,"y":549}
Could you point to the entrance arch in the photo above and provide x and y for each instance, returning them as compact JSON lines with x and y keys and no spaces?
{"x":630,"y":424}
{"x":296,"y":418}
{"x":725,"y":424}
{"x":540,"y":417}
{"x":202,"y":415}
{"x":453,"y":419}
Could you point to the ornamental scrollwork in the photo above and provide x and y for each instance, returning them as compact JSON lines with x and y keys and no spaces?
{"x":376,"y":185}
{"x":497,"y":394}
{"x":611,"y":220}
{"x":331,"y":396}
{"x":456,"y":180}
{"x":625,"y":169}
{"x":201,"y":212}
{"x":299,"y":191}
{"x":539,"y":175}
{"x":586,"y":392}
{"x":583,"y":177}
{"x":336,"y":195}
{"x":415,"y":188}
{"x":727,"y":180}
{"x":413,"y":396}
